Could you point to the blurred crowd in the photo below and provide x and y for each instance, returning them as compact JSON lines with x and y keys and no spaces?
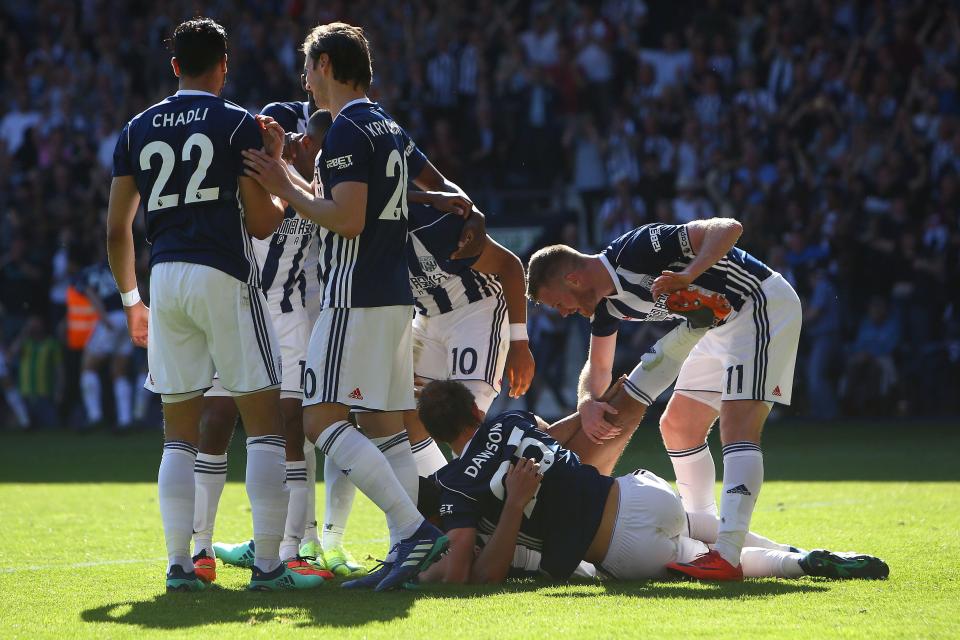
{"x":830,"y":128}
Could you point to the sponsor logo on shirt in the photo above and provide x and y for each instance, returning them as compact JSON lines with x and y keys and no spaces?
{"x":341,"y":162}
{"x":655,"y":239}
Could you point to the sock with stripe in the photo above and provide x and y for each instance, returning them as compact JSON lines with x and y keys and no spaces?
{"x":428,"y":457}
{"x":18,"y":406}
{"x":310,"y":511}
{"x":90,"y":388}
{"x":742,"y":479}
{"x":123,"y":396}
{"x":396,"y":449}
{"x":296,"y":509}
{"x":696,"y":478}
{"x":210,"y":475}
{"x":266,"y":470}
{"x":370,"y":471}
{"x":176,"y":488}
{"x":340,"y":493}
{"x":770,"y":563}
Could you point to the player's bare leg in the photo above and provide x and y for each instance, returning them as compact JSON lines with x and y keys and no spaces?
{"x":604,"y":456}
{"x":684,"y":427}
{"x":175,"y":479}
{"x":217,"y":423}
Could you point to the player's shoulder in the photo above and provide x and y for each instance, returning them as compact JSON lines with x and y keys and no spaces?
{"x":513,"y":418}
{"x":288,"y":113}
{"x":425,"y":221}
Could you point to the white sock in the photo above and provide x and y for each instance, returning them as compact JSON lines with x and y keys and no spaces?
{"x":371,"y":473}
{"x":428,"y":457}
{"x":296,"y":509}
{"x":123,"y":394}
{"x":141,"y":403}
{"x":310,"y":531}
{"x":339,"y":493}
{"x":742,"y":479}
{"x":90,"y":387}
{"x":396,"y":449}
{"x":175,"y":482}
{"x":770,"y":563}
{"x":210,"y":475}
{"x":696,"y":478}
{"x":266,"y":470}
{"x":17,"y":405}
{"x":704,"y":527}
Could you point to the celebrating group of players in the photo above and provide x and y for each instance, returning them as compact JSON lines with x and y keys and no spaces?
{"x":296,"y":282}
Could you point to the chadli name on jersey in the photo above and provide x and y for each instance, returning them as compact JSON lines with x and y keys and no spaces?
{"x":176,"y":119}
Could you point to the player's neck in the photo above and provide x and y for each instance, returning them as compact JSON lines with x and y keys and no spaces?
{"x":208,"y":83}
{"x":598,"y":274}
{"x":340,"y":95}
{"x":461,"y":442}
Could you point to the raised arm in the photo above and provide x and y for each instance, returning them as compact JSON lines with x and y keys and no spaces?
{"x":497,"y":260}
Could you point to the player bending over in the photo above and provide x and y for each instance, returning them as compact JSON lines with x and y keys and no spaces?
{"x":182,"y":157}
{"x":737,"y":371}
{"x":516,"y":484}
{"x":360,"y":353}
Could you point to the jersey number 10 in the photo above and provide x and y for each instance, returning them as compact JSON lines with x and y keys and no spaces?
{"x":194,"y":193}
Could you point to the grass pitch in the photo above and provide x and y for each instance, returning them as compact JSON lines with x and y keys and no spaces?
{"x":81,"y":553}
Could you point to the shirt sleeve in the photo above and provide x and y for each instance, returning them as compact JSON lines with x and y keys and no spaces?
{"x":457,"y":511}
{"x":246,"y":136}
{"x":651,"y":248}
{"x":347,"y":154}
{"x":416,"y":160}
{"x":121,"y":154}
{"x":285,"y":116}
{"x":602,"y":323}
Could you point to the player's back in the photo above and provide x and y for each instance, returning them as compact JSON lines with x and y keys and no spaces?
{"x":439,"y":283}
{"x":365,"y":145}
{"x":184,"y":155}
{"x":564,"y":515}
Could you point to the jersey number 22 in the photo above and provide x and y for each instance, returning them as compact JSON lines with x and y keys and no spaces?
{"x":194,"y":193}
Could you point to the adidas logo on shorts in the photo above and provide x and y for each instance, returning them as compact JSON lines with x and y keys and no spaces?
{"x":776,"y":391}
{"x":355,"y":394}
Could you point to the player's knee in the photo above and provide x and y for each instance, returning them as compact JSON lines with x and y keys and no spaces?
{"x":629,"y":410}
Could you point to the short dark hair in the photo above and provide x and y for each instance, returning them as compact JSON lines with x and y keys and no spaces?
{"x":348,"y":49}
{"x":547,"y":264}
{"x":446,"y":409}
{"x":198,"y":45}
{"x":319,"y":123}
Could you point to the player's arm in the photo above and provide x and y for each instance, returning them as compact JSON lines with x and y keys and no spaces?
{"x":262,"y":214}
{"x":429,"y":179}
{"x":493,"y":563}
{"x":458,"y":563}
{"x":121,"y":210}
{"x":594,"y":380}
{"x":499,"y":261}
{"x":710,"y":240}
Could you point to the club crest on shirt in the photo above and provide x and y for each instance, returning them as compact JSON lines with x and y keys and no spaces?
{"x":428,"y":263}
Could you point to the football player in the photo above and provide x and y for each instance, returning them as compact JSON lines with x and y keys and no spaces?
{"x":182,"y":159}
{"x":737,"y":371}
{"x":515,"y":485}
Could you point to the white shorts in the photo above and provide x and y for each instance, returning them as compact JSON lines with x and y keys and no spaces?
{"x":107,"y":341}
{"x":362,"y":358}
{"x":292,"y":333}
{"x":468,"y":344}
{"x":204,"y":321}
{"x":650,"y":520}
{"x":752,"y":356}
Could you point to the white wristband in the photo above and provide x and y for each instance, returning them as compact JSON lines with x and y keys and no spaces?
{"x":518,"y":331}
{"x":131,"y":297}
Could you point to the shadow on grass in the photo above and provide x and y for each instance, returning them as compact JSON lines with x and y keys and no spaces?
{"x":354,"y":609}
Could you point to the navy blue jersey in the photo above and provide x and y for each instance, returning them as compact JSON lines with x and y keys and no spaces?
{"x":365,"y":145}
{"x":184,"y":154}
{"x":98,"y":279}
{"x":561,"y":520}
{"x":636,"y":258}
{"x":292,"y":116}
{"x":440,"y":284}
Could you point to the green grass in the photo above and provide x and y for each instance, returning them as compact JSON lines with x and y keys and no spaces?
{"x":81,"y":553}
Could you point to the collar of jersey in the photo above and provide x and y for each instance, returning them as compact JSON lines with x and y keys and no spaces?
{"x":193,"y":92}
{"x":469,"y":442}
{"x":353,"y":102}
{"x":612,"y":272}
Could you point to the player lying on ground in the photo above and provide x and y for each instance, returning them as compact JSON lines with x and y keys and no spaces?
{"x":182,"y":158}
{"x":515,"y":483}
{"x":737,"y":371}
